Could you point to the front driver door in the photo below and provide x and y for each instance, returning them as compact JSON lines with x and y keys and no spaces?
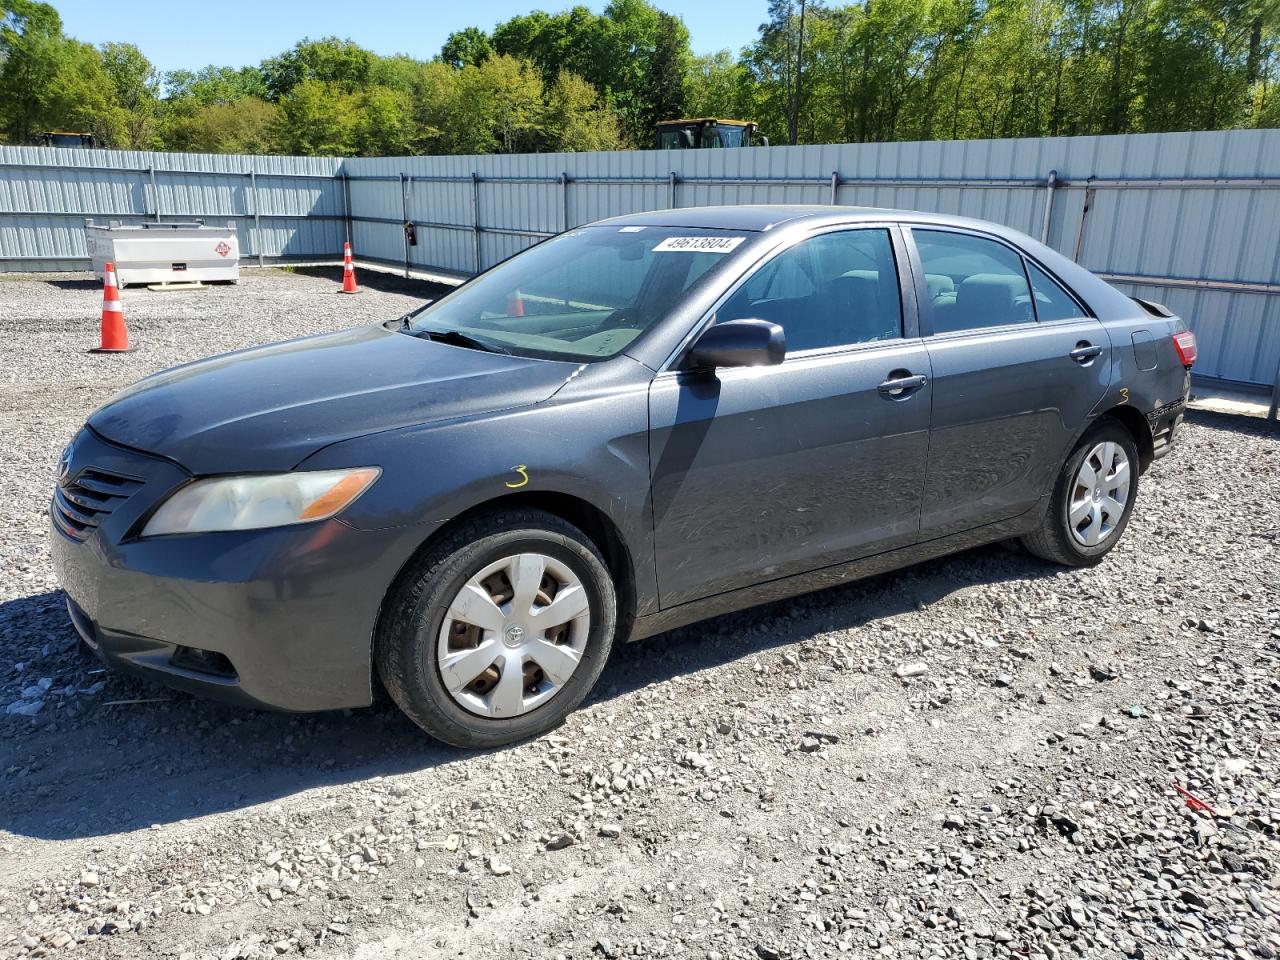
{"x":764,"y":472}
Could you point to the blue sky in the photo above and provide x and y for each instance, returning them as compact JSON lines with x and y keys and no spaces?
{"x":182,"y":33}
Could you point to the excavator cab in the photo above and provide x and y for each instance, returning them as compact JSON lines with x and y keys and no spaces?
{"x":707,"y":133}
{"x":63,"y":138}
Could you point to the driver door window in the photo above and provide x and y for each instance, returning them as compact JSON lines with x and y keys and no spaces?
{"x":832,"y":290}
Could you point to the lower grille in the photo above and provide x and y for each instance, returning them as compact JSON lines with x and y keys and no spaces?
{"x":82,"y":503}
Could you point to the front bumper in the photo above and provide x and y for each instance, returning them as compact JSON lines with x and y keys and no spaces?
{"x":280,"y":618}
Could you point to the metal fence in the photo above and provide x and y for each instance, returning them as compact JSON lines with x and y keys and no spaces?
{"x":1189,"y":219}
{"x":284,"y":208}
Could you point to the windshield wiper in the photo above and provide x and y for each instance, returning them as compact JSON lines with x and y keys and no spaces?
{"x":457,"y":338}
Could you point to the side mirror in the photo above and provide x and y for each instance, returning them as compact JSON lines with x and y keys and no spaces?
{"x":740,"y":343}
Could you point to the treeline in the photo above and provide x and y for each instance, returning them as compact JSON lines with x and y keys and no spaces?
{"x":878,"y":70}
{"x":955,"y":69}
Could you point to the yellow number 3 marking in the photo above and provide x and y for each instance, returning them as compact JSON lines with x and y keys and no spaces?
{"x":524,"y":477}
{"x":1124,"y":394}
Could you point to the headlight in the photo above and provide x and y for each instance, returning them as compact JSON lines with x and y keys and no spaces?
{"x":253,"y":502}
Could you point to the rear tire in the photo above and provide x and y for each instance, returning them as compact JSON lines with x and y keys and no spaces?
{"x":1092,"y":499}
{"x":466,"y":646}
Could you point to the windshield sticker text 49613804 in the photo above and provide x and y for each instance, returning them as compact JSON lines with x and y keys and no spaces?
{"x":698,"y":244}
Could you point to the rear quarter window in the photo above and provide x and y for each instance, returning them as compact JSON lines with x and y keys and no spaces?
{"x":1052,"y":301}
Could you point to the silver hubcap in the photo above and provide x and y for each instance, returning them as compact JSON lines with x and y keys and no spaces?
{"x":514,"y":635}
{"x":1099,"y":494}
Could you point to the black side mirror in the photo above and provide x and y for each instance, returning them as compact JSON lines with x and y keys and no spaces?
{"x":740,"y":343}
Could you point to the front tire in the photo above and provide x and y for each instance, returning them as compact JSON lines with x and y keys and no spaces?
{"x":1092,"y":499}
{"x":497,"y":632}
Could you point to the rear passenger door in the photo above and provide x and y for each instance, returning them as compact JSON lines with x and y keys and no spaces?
{"x":1018,"y":366}
{"x":760,"y":473}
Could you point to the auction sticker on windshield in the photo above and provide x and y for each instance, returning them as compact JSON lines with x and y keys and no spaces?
{"x":698,"y":244}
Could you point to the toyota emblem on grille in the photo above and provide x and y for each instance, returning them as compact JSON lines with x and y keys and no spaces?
{"x":64,"y":465}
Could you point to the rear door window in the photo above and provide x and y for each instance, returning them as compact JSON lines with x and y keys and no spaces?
{"x":972,"y":282}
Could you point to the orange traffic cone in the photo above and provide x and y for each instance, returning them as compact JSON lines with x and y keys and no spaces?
{"x":348,"y":271}
{"x":115,"y":335}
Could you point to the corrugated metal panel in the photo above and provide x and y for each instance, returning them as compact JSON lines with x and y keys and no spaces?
{"x":46,"y":193}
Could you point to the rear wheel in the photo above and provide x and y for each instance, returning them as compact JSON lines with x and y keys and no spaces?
{"x":499,"y":631}
{"x":1092,"y":499}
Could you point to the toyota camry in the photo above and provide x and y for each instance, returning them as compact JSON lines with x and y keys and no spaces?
{"x":632,"y":426}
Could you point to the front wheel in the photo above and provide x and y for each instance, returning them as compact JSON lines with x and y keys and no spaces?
{"x":1092,"y":499}
{"x":498,"y":631}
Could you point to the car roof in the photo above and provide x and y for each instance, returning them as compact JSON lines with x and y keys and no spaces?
{"x":764,"y":216}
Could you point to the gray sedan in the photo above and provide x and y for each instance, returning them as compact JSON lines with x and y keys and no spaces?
{"x":635,"y":425}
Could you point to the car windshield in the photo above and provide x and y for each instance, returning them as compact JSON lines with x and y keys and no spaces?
{"x":584,"y":295}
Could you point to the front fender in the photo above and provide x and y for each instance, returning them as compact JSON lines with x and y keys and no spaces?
{"x":593,"y":448}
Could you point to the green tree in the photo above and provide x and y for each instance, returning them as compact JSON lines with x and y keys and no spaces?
{"x":469,"y":47}
{"x":384,"y":123}
{"x":498,"y":107}
{"x":718,"y":85}
{"x":48,"y":81}
{"x":318,"y":118}
{"x":664,"y":90}
{"x":214,"y":84}
{"x":572,"y":40}
{"x":576,"y":119}
{"x":135,"y":97}
{"x":247,"y":125}
{"x":342,"y":63}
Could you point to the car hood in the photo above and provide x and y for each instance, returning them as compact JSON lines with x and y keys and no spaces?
{"x":268,"y":408}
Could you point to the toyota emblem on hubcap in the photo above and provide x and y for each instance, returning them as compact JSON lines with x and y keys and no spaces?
{"x":514,"y":635}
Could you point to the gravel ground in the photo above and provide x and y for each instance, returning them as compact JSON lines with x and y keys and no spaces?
{"x":976,"y":757}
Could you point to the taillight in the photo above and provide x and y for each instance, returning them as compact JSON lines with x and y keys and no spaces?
{"x":1185,"y":344}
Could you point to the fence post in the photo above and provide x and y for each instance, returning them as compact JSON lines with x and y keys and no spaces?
{"x":257,"y":216}
{"x":346,"y":206}
{"x":835,"y":185}
{"x":1050,"y":185}
{"x":671,"y":190}
{"x":1084,"y":215}
{"x":155,"y":194}
{"x":1275,"y":397}
{"x":404,"y":218}
{"x":475,"y":216}
{"x":564,"y":202}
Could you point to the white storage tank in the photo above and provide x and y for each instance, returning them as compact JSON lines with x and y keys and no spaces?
{"x":164,"y":252}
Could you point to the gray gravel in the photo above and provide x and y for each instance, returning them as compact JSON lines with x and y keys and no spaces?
{"x":972,"y":758}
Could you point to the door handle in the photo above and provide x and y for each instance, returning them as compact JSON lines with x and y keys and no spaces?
{"x":902,"y":384}
{"x":1084,"y":352}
